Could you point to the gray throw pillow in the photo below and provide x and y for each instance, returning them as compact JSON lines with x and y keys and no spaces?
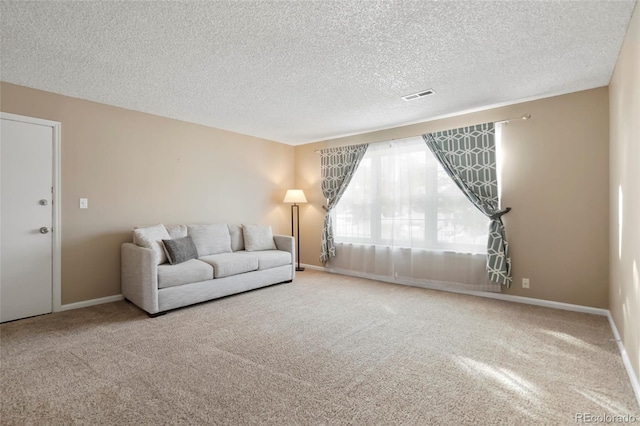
{"x":180,"y":250}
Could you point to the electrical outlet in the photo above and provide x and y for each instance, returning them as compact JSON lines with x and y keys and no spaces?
{"x":525,"y":283}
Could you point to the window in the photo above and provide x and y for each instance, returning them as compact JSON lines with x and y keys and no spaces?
{"x":401,"y":196}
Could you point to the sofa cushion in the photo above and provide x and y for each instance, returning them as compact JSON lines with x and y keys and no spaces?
{"x":177,"y":231}
{"x":187,"y":272}
{"x":210,"y":239}
{"x":151,"y":237}
{"x":227,"y":264}
{"x":257,"y":237}
{"x":270,"y":258}
{"x":180,"y":250}
{"x":237,"y":239}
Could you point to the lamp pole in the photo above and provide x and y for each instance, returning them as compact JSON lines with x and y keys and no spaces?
{"x":296,"y":196}
{"x":297,"y":236}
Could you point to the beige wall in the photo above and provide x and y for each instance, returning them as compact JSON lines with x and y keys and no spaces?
{"x":139,"y":169}
{"x":624,"y":291}
{"x":555,"y":177}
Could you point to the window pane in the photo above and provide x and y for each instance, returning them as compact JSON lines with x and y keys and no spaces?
{"x":401,"y":196}
{"x":459,"y":222}
{"x":353,"y":214}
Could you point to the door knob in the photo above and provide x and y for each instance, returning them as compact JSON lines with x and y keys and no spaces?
{"x":45,"y":230}
{"x":43,"y":202}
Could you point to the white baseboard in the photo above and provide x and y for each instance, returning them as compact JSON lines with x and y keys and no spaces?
{"x":92,"y":302}
{"x":490,"y":295}
{"x":635,"y":384}
{"x":544,"y":303}
{"x":529,"y":301}
{"x":314,"y":267}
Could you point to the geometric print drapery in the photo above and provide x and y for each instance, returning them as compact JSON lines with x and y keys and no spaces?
{"x":337,"y":166}
{"x":468,"y":155}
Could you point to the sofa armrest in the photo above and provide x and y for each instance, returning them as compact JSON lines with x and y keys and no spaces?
{"x":140,"y":276}
{"x":287,"y":243}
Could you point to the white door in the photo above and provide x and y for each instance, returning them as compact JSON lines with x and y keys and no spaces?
{"x":26,"y":245}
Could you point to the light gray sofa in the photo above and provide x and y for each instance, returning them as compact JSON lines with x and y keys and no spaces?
{"x":224,"y":265}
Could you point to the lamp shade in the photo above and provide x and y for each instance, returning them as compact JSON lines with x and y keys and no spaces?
{"x":295,"y":196}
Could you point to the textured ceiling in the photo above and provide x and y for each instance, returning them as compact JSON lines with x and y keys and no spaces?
{"x":302,"y":71}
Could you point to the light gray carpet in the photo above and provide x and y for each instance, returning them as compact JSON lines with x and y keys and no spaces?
{"x":326,"y":349}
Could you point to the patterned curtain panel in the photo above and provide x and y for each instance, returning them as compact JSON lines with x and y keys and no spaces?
{"x":468,"y":155}
{"x":337,"y":168}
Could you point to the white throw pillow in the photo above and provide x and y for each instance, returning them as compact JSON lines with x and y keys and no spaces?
{"x":258,"y":237}
{"x":151,"y":237}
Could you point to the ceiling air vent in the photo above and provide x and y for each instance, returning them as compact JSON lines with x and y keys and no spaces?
{"x":419,"y":95}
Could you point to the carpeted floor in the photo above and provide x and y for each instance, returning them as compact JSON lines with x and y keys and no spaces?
{"x":325,"y":349}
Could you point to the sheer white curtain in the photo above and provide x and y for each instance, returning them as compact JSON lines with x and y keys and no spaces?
{"x":403,"y":219}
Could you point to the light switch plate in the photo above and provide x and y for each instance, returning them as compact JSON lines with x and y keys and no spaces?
{"x":84,"y":203}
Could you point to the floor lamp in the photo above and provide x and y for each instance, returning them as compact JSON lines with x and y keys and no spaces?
{"x":295,"y":197}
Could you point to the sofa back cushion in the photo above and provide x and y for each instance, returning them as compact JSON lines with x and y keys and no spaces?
{"x":177,"y":231}
{"x":151,"y":237}
{"x":237,"y":239}
{"x":210,"y":239}
{"x":257,"y":237}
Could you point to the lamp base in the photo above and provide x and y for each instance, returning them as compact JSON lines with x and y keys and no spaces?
{"x":298,"y":268}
